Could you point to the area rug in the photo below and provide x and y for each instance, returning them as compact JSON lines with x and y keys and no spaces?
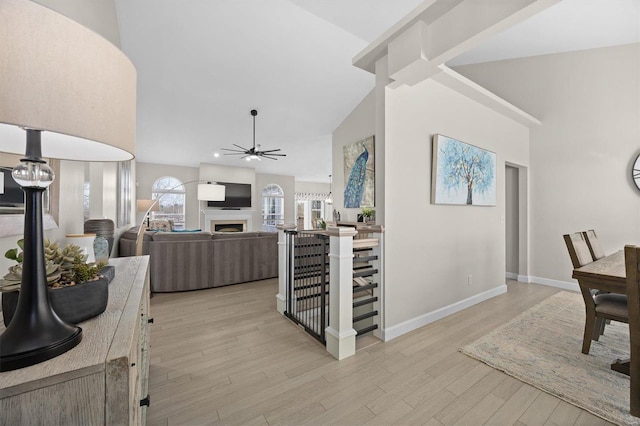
{"x":542,"y":347}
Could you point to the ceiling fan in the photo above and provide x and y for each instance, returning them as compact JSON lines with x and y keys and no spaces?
{"x":253,"y":153}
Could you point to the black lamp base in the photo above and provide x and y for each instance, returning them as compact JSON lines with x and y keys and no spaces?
{"x":36,"y":333}
{"x":24,"y":359}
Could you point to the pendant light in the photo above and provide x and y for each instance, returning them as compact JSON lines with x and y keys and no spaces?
{"x":329,"y":200}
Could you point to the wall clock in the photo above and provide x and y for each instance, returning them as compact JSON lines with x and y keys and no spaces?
{"x":635,"y":172}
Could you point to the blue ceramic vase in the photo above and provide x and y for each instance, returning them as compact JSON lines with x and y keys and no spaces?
{"x":101,"y":249}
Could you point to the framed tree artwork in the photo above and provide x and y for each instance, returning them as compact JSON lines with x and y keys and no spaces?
{"x":462,"y":174}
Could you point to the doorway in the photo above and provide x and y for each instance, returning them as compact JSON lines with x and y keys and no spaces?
{"x":516,"y":223}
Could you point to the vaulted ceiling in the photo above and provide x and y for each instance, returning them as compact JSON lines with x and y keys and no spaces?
{"x":203,"y":65}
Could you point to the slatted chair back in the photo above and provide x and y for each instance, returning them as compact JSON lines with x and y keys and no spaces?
{"x":594,"y":244}
{"x":632,"y":266}
{"x":578,"y":249}
{"x":599,"y":307}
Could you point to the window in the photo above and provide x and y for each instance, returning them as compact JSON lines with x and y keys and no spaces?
{"x":317,"y":210}
{"x":272,"y":207}
{"x":311,"y":209}
{"x":169,"y":192}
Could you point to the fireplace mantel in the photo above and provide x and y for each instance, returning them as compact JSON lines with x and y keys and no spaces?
{"x":240,"y":215}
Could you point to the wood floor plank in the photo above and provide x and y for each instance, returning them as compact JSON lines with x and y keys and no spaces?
{"x":515,"y":406}
{"x":471,"y":398}
{"x":474,"y":375}
{"x":587,"y":419}
{"x":564,"y":414}
{"x":225,"y":356}
{"x":480,"y":413}
{"x":540,"y":411}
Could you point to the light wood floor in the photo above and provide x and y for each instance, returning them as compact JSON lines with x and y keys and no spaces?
{"x":225,"y":356}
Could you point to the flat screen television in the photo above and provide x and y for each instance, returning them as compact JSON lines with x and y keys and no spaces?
{"x":13,"y":196}
{"x":236,"y":195}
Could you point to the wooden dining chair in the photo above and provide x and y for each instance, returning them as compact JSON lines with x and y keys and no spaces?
{"x":595,"y":248}
{"x":599,"y":307}
{"x":632,"y":269}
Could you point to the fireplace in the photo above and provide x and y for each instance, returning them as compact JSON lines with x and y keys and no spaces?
{"x":213,"y":217}
{"x":229,"y":225}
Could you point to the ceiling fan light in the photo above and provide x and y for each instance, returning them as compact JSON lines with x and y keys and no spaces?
{"x":253,"y":153}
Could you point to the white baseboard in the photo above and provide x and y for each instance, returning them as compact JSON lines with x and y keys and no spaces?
{"x":564,"y":285}
{"x":511,"y":276}
{"x":417,"y":322}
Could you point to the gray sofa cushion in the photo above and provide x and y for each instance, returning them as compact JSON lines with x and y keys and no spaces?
{"x":234,"y":235}
{"x":132,"y":234}
{"x":181,"y":265}
{"x":181,"y":236}
{"x":239,"y":260}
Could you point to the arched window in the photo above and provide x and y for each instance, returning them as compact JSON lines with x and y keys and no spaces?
{"x":272,"y":207}
{"x":169,"y":192}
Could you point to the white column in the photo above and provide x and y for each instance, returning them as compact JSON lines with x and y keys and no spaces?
{"x":340,"y":335}
{"x":281,"y":297}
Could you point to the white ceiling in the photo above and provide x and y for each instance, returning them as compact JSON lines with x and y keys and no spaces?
{"x":203,"y":65}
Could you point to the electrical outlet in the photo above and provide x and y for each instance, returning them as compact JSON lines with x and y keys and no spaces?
{"x":469,"y":279}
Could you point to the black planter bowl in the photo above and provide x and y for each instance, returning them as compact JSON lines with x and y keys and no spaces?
{"x":73,"y":304}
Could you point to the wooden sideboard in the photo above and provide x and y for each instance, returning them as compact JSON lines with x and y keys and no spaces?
{"x":104,"y":379}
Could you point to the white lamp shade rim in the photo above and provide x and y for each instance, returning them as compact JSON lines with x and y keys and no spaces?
{"x":211,"y":192}
{"x":147,"y":205}
{"x":76,"y":87}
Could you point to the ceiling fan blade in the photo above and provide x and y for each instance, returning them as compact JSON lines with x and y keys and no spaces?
{"x":270,"y":150}
{"x":244,"y":149}
{"x":235,"y":153}
{"x":229,"y":149}
{"x":278,"y":155}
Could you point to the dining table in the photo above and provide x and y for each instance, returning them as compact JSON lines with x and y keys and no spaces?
{"x":606,"y":274}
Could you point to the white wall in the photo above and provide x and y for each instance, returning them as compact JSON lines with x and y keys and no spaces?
{"x":581,"y":155}
{"x":432,"y":249}
{"x":313,"y":187}
{"x":359,"y":124}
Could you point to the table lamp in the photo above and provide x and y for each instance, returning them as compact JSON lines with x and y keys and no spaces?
{"x":74,"y":95}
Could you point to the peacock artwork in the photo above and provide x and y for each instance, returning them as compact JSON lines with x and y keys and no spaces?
{"x":462,"y":173}
{"x":359,"y":174}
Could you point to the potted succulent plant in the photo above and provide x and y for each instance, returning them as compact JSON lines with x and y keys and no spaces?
{"x":77,"y":290}
{"x":367,"y":214}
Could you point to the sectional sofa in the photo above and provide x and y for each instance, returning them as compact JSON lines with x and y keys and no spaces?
{"x":182,"y":261}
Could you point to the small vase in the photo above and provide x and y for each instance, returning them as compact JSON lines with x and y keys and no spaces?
{"x":101,"y":249}
{"x":85,"y":242}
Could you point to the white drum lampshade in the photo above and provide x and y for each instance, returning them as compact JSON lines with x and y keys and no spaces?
{"x":211,"y":192}
{"x":66,"y":93}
